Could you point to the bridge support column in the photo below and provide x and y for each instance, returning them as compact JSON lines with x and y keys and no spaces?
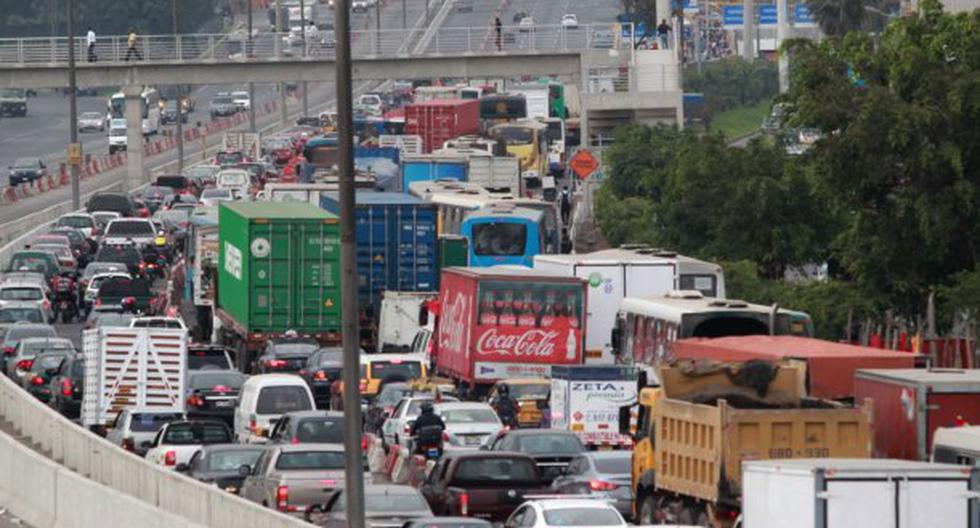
{"x":134,"y":137}
{"x":282,"y":102}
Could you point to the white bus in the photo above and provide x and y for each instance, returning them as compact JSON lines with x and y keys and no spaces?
{"x":629,"y":271}
{"x":150,"y":109}
{"x":647,"y":327}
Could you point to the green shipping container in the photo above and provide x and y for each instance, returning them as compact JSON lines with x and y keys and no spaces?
{"x":454,"y":250}
{"x":279,"y":266}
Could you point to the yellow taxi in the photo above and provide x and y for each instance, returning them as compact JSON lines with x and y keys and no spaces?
{"x":381,"y":368}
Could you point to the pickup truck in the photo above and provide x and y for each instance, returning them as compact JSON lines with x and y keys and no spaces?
{"x":487,"y":485}
{"x":176,"y":442}
{"x":113,"y":291}
{"x":291,"y":477}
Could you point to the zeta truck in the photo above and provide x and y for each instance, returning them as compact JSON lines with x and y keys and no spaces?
{"x":870,"y":493}
{"x":278,"y":271}
{"x":586,"y":400}
{"x":506,"y":322}
{"x":695,"y":430}
{"x":630,"y":271}
{"x":132,"y":368}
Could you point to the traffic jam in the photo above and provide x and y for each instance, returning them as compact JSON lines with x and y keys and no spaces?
{"x":504,"y":379}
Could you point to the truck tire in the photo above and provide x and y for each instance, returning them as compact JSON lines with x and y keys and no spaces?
{"x":646,"y":512}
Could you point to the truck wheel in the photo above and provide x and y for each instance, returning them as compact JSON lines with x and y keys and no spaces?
{"x":646,"y":512}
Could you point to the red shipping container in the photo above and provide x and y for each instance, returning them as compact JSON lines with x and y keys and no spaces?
{"x":830,"y":366}
{"x":909,"y":404}
{"x":498,"y":323}
{"x":440,"y":120}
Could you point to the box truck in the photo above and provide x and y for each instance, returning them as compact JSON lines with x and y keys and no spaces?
{"x":586,"y":400}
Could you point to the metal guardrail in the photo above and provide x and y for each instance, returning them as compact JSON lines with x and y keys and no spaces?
{"x":220,"y":47}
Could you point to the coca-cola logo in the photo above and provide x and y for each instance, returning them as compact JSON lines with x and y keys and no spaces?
{"x":452,"y":333}
{"x":531,"y":343}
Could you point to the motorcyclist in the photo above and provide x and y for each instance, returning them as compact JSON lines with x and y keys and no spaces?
{"x":427,"y":429}
{"x":64,"y":288}
{"x":507,"y":407}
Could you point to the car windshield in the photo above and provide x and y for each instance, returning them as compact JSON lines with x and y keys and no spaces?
{"x":17,"y":333}
{"x":99,"y":279}
{"x":550,"y":444}
{"x":110,"y":202}
{"x":93,"y":116}
{"x":21,"y":294}
{"x":114,"y":320}
{"x":230,"y":158}
{"x":43,"y":362}
{"x":129,"y":227}
{"x":157,"y":193}
{"x":396,"y":368}
{"x":78,"y":222}
{"x":172,"y":182}
{"x":311,"y":460}
{"x":415,"y":406}
{"x":231,"y":460}
{"x":200,"y":359}
{"x":216,"y":380}
{"x":467,"y":416}
{"x":121,"y":254}
{"x":223,"y":101}
{"x":78,"y":368}
{"x":535,"y":391}
{"x":25,"y":163}
{"x":62,"y":252}
{"x":150,"y":422}
{"x":495,"y":469}
{"x":582,"y":517}
{"x":284,"y":399}
{"x":324,"y":430}
{"x":294,"y":349}
{"x":197,"y":433}
{"x":216,"y":193}
{"x":233,"y":178}
{"x":392,"y":395}
{"x":618,"y":465}
{"x":499,"y":239}
{"x":12,"y":315}
{"x":379,"y":502}
{"x":326,"y":357}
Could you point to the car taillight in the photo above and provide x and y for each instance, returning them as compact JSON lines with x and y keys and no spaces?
{"x":195,"y":401}
{"x":464,"y":504}
{"x":37,"y":381}
{"x":275,"y":363}
{"x":294,"y":440}
{"x":445,"y":436}
{"x":46,"y":304}
{"x":170,"y":458}
{"x":282,"y":498}
{"x":252,"y":425}
{"x":65,"y":387}
{"x":601,"y":485}
{"x":364,"y":444}
{"x":407,"y":430}
{"x":220,"y":388}
{"x":25,"y":364}
{"x":320,"y":375}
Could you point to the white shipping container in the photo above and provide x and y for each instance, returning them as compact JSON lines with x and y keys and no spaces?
{"x":398,"y":322}
{"x":139,"y":368}
{"x":496,"y":173}
{"x":865,"y":493}
{"x":589,"y":405}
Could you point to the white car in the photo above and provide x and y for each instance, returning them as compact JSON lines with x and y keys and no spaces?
{"x":526,"y":24}
{"x":468,"y":424}
{"x":569,"y":21}
{"x":238,"y":181}
{"x":211,"y":197}
{"x":137,"y":231}
{"x":176,"y":442}
{"x":133,"y":428}
{"x":22,"y":293}
{"x":359,"y":6}
{"x":397,"y":429}
{"x":241,"y":100}
{"x":83,"y":222}
{"x":92,"y":290}
{"x":91,"y":121}
{"x":565,"y":513}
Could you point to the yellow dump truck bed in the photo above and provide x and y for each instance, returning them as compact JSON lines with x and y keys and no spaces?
{"x":699,"y":448}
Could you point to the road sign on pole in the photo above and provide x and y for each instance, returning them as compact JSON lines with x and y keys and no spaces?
{"x":583,"y":164}
{"x":75,"y":154}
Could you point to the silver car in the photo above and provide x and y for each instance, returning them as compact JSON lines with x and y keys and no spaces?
{"x":91,"y":122}
{"x":605,"y":473}
{"x":19,"y":365}
{"x":468,"y":424}
{"x":131,"y":428}
{"x":26,"y":294}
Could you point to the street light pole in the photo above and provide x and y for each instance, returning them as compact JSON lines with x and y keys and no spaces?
{"x":251,"y":86}
{"x":302,"y":29}
{"x":354,"y":473}
{"x":180,"y":98}
{"x":377,"y":27}
{"x":404,"y":16}
{"x":74,"y":149}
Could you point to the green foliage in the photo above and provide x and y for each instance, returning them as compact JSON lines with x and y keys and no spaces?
{"x":740,"y":121}
{"x":21,"y":18}
{"x":962,"y":294}
{"x":732,"y":83}
{"x":838,"y":17}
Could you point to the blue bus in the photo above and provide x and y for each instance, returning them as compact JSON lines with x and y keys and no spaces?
{"x":502,"y":234}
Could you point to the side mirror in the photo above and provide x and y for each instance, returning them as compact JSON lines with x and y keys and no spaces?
{"x":625,"y":413}
{"x":614,"y":336}
{"x":181,"y":468}
{"x":244,"y":470}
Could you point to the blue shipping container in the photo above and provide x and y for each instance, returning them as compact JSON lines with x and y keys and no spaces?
{"x":418,"y":169}
{"x":397,"y":248}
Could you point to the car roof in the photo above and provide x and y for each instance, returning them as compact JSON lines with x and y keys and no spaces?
{"x":539,"y":432}
{"x":233,"y":447}
{"x":46,"y":340}
{"x":262,"y":380}
{"x":607,"y":455}
{"x":486,"y":454}
{"x":312,"y":414}
{"x":462,"y":405}
{"x":547,"y":504}
{"x":20,"y":282}
{"x":299,"y":448}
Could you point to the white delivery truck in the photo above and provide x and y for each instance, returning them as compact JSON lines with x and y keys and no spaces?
{"x":494,"y":173}
{"x":398,"y":322}
{"x":135,"y":368}
{"x":586,"y":400}
{"x":629,"y":271}
{"x":536,"y":99}
{"x":247,"y":143}
{"x":117,"y":135}
{"x":857,"y":492}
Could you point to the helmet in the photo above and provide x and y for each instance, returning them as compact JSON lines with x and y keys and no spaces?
{"x":426,"y":407}
{"x":504,"y":390}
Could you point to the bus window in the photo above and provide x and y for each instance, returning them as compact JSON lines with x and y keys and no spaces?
{"x":706,"y":284}
{"x":499,"y":239}
{"x":730,"y":326}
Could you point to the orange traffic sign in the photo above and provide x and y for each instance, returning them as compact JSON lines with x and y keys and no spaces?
{"x":583,"y":164}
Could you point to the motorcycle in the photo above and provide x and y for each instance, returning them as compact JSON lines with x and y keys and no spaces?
{"x":65,"y":303}
{"x":429,"y":442}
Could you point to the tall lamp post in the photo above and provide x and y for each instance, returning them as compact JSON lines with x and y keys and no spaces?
{"x":180,"y":98}
{"x":74,"y":147}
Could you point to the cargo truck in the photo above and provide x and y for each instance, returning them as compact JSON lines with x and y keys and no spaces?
{"x":696,"y":428}
{"x":132,"y":368}
{"x":505,"y":322}
{"x":430,"y":167}
{"x":494,"y":173}
{"x":629,"y":271}
{"x":439,"y":120}
{"x":278,"y":272}
{"x":586,"y":400}
{"x":869,"y":493}
{"x":248,"y":143}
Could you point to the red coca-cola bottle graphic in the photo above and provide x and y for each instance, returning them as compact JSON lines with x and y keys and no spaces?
{"x":507,"y":315}
{"x":571,"y":311}
{"x":550,"y":310}
{"x":488,"y":310}
{"x":526,"y":315}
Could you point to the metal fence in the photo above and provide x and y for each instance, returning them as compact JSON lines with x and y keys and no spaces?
{"x":115,"y":49}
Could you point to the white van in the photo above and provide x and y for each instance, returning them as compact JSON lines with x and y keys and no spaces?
{"x":264,"y":399}
{"x":237,"y":181}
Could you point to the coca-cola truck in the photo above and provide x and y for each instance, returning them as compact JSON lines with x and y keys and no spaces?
{"x":506,"y":322}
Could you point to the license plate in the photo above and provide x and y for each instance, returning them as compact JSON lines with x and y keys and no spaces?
{"x":432,"y":453}
{"x":473,"y":440}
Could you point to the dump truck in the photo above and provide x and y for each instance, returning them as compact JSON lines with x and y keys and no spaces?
{"x":695,"y":429}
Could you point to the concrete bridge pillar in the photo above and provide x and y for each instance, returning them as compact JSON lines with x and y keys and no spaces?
{"x":135,"y":173}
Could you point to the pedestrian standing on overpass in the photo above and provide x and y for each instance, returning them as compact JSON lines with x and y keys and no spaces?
{"x":498,"y":28}
{"x":131,"y":45}
{"x":90,"y":40}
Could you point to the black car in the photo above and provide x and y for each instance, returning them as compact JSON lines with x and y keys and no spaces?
{"x":26,"y":170}
{"x":169,"y":113}
{"x":154,"y":196}
{"x":551,"y":449}
{"x":322,"y":368}
{"x":218,"y":464}
{"x":44,"y":366}
{"x":305,"y":427}
{"x":213,"y":394}
{"x":286,"y":354}
{"x":67,"y":387}
{"x":127,"y":255}
{"x":116,"y":202}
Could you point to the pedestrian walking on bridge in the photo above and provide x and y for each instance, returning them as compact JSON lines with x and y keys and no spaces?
{"x":132,"y":47}
{"x":90,"y":40}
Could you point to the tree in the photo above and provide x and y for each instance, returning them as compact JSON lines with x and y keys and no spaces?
{"x":838,"y":17}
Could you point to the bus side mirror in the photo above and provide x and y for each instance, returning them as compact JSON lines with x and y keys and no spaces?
{"x":625,"y":413}
{"x":614,"y":336}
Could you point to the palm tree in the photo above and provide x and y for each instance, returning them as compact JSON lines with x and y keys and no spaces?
{"x":837,"y":17}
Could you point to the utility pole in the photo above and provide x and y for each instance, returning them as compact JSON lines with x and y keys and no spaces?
{"x":251,"y":86}
{"x":748,"y":24}
{"x":74,"y":148}
{"x":180,"y":98}
{"x":278,"y":43}
{"x":782,"y":33}
{"x":354,"y":473}
{"x":377,"y":27}
{"x":302,"y":23}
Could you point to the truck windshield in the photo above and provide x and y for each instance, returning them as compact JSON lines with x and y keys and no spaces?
{"x":311,"y":460}
{"x":279,"y":400}
{"x":480,"y":471}
{"x":499,"y":239}
{"x":197,"y":433}
{"x":582,"y":517}
{"x":129,"y":228}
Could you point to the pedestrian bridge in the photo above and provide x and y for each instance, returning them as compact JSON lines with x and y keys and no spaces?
{"x":272,"y":57}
